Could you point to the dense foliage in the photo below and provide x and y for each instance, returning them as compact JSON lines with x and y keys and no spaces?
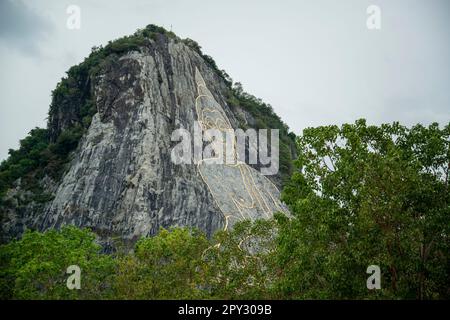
{"x":168,"y":266}
{"x":361,"y":195}
{"x":36,"y":158}
{"x":368,"y":195}
{"x":21,"y":162}
{"x":35,"y":267}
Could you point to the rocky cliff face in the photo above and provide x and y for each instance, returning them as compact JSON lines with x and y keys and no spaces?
{"x":121,"y":181}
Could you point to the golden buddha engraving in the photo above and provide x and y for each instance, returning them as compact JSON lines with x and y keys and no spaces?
{"x":255,"y":196}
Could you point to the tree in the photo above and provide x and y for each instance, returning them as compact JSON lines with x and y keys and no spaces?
{"x":166,"y":266}
{"x":240,"y":261}
{"x":35,"y":267}
{"x":366,"y":195}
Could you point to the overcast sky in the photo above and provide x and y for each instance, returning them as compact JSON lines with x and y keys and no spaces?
{"x":315,"y":61}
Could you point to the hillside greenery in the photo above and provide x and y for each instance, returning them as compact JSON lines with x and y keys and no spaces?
{"x":360,"y":195}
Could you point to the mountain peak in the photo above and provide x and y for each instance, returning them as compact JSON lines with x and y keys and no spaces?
{"x":106,"y":157}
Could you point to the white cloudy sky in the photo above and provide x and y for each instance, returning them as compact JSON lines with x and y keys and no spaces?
{"x":315,"y":61}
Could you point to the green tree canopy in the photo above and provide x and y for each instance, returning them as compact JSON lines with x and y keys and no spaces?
{"x":35,"y":267}
{"x":368,"y":195}
{"x":167,"y":266}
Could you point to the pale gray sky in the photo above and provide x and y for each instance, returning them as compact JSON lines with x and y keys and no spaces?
{"x":315,"y":61}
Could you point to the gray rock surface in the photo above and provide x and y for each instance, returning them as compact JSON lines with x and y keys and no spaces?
{"x":121,"y":181}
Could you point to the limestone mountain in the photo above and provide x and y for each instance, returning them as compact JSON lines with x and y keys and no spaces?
{"x":104,"y":161}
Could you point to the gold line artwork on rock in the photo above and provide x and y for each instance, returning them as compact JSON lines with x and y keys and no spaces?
{"x":253,"y":198}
